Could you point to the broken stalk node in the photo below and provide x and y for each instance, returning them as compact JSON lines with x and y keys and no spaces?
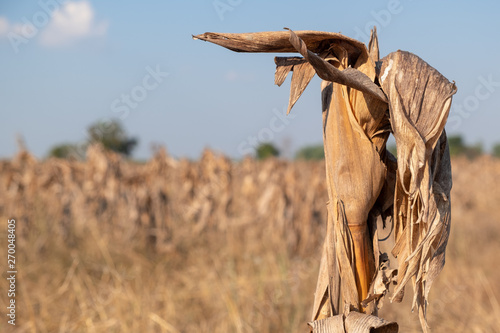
{"x":363,"y":259}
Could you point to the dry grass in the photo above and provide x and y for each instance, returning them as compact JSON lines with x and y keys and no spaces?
{"x":211,"y":246}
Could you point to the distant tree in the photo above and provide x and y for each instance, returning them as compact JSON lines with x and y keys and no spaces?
{"x":456,"y":144}
{"x":112,"y":136}
{"x":496,"y":150}
{"x":458,"y":147}
{"x":315,"y":152}
{"x":66,"y":150}
{"x":266,"y":150}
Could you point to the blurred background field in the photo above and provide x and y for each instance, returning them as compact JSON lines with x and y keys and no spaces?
{"x":168,"y":245}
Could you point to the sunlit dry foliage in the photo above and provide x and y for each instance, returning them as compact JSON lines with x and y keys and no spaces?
{"x":364,"y":99}
{"x":212,"y":245}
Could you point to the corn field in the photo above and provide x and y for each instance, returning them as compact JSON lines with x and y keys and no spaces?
{"x":108,"y":245}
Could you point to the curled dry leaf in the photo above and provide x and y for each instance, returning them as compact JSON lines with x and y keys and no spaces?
{"x":354,"y":322}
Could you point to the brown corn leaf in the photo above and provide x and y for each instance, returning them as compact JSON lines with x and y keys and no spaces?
{"x":420,"y":101}
{"x":302,"y":75}
{"x":283,"y":66}
{"x":278,"y":41}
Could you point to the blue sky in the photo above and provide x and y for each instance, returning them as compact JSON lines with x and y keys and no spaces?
{"x":68,"y":64}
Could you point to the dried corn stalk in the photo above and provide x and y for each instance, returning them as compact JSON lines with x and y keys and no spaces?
{"x":364,"y":100}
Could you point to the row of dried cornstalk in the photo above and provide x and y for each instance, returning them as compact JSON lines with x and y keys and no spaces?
{"x":165,"y":198}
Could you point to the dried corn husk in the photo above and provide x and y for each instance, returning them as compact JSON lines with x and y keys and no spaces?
{"x":364,"y":99}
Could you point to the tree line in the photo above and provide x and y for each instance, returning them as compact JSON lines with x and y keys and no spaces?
{"x":113,"y":136}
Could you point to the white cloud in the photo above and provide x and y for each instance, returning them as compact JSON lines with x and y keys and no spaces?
{"x":25,"y":30}
{"x":72,"y":21}
{"x":4,"y":26}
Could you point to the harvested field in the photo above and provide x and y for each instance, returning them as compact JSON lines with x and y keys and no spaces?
{"x":212,"y":245}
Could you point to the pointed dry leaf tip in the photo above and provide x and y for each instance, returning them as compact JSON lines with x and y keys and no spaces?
{"x":373,"y":49}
